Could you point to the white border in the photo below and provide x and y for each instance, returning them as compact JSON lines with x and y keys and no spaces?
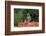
{"x":25,"y":28}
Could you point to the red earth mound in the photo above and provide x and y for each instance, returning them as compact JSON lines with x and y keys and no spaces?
{"x":28,"y":24}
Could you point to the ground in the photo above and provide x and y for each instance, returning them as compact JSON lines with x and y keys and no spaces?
{"x":28,"y":24}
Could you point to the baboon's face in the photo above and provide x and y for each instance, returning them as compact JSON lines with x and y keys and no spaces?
{"x":28,"y":14}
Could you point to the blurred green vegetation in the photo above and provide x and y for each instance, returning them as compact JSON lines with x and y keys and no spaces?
{"x":20,"y":15}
